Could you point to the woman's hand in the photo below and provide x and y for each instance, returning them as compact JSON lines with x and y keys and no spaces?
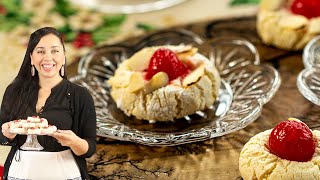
{"x":68,"y":138}
{"x":5,"y":131}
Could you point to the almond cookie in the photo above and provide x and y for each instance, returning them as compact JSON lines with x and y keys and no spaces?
{"x":288,"y":24}
{"x":164,"y":83}
{"x":289,"y":151}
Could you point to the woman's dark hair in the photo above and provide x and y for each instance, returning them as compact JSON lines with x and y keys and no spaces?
{"x":20,"y":97}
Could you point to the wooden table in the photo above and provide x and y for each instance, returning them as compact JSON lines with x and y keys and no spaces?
{"x":215,"y":158}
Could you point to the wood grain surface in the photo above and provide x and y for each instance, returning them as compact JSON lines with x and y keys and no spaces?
{"x":215,"y":158}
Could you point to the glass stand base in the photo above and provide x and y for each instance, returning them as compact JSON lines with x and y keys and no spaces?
{"x":31,"y":144}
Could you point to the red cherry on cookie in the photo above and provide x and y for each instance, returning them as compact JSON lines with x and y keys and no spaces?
{"x":307,"y":8}
{"x":292,"y":140}
{"x":166,"y":61}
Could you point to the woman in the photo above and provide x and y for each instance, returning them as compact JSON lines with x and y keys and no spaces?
{"x":41,"y":89}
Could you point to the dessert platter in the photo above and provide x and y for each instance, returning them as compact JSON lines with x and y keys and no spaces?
{"x":308,"y":81}
{"x":32,"y":127}
{"x":207,"y":89}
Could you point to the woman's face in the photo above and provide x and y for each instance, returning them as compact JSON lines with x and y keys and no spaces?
{"x":48,"y":57}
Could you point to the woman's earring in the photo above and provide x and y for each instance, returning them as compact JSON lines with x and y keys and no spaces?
{"x":33,"y":71}
{"x":62,"y":71}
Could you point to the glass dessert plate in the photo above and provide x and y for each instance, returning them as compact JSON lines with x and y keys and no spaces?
{"x":308,"y":80}
{"x":246,"y":86}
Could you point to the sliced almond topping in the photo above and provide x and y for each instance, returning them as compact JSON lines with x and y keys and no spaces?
{"x":293,"y":22}
{"x":121,"y":79}
{"x":140,"y":60}
{"x":180,"y":48}
{"x":314,"y":27}
{"x":193,"y":64}
{"x":184,"y":55}
{"x":271,"y":5}
{"x":194,"y":76}
{"x":136,"y":82}
{"x":159,"y":80}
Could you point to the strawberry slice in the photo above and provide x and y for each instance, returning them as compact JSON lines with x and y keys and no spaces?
{"x":292,"y":140}
{"x":307,"y":8}
{"x":166,"y":61}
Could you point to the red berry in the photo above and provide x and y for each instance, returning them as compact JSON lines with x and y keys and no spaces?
{"x":3,"y":10}
{"x":307,"y":8}
{"x":166,"y":61}
{"x":292,"y":140}
{"x":83,"y":39}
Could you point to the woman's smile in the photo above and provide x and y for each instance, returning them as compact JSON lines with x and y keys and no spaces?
{"x":48,"y":67}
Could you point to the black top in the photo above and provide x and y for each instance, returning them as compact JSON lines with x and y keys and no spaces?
{"x":69,"y":107}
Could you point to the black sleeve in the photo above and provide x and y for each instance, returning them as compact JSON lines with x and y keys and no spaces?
{"x":86,"y":114}
{"x":4,"y":117}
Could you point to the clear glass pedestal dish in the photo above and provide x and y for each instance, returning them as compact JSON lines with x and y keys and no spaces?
{"x":31,"y":143}
{"x":308,"y":80}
